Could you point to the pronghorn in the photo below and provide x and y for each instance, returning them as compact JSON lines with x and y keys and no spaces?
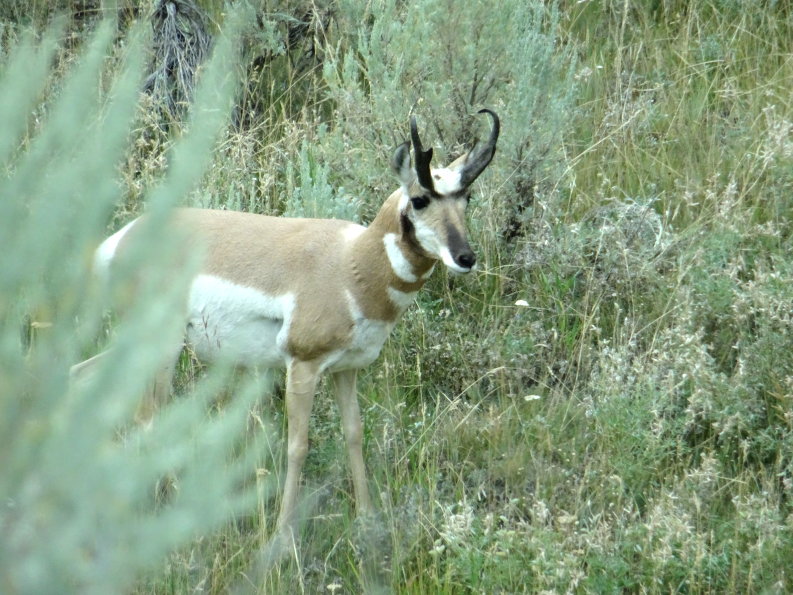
{"x":320,"y":295}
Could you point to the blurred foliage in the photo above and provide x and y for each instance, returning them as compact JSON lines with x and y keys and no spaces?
{"x":606,"y":405}
{"x":89,"y":501}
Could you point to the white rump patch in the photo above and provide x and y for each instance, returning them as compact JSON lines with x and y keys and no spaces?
{"x":238,"y":324}
{"x":399,"y":264}
{"x":107,"y":250}
{"x":446,"y":181}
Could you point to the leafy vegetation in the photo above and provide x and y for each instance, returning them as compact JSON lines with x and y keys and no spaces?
{"x":607,"y":404}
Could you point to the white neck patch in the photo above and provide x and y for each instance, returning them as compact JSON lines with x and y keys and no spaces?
{"x":399,"y":264}
{"x":401,"y":299}
{"x":428,"y":274}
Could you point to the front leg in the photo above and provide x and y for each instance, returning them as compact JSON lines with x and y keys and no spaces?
{"x":347,"y":400}
{"x":301,"y":384}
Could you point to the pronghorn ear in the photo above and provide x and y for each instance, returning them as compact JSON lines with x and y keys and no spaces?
{"x":400,"y":163}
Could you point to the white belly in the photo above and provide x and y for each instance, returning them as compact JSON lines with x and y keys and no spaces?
{"x":241,"y":325}
{"x":229,"y":322}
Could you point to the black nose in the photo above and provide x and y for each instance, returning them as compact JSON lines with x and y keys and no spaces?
{"x":467,"y":260}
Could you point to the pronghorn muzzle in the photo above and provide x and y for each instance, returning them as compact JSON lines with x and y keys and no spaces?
{"x":460,"y":250}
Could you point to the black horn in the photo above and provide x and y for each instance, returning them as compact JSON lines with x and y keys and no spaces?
{"x":479,"y":158}
{"x":423,"y":159}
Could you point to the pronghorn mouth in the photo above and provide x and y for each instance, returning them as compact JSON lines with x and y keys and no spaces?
{"x":454,"y":266}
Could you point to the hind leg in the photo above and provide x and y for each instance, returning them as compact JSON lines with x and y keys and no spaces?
{"x":158,"y":390}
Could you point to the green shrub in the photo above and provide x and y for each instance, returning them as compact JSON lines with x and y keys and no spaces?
{"x":86,"y":504}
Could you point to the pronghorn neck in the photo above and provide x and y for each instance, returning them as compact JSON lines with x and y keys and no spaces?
{"x":388,"y":265}
{"x":407,"y":260}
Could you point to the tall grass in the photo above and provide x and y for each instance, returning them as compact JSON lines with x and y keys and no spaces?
{"x":606,"y":405}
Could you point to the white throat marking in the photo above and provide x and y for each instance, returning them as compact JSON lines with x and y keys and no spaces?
{"x":399,"y":264}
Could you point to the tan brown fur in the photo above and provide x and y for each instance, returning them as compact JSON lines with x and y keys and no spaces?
{"x":312,"y":258}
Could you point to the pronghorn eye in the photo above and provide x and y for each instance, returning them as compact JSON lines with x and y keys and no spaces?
{"x":419,"y":202}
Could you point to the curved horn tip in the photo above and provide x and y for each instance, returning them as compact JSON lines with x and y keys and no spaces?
{"x":414,"y":134}
{"x":479,"y":157}
{"x":413,"y":123}
{"x":492,"y":114}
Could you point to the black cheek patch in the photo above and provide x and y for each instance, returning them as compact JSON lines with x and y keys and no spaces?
{"x":407,"y":225}
{"x":409,"y":232}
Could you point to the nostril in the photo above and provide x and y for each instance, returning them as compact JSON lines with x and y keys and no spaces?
{"x":466,"y":259}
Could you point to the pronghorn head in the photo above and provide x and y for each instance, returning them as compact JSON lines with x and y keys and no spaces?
{"x":433,"y":201}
